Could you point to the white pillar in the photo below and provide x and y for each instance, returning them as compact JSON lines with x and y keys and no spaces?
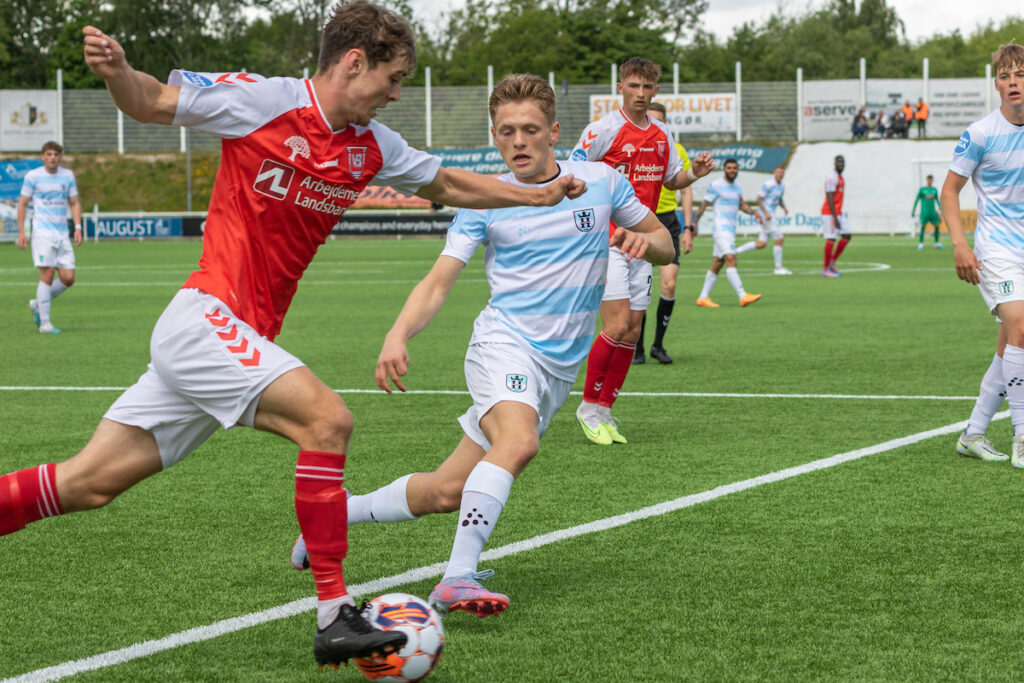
{"x":429,"y":105}
{"x":60,"y":106}
{"x":120,"y":132}
{"x":863,"y":81}
{"x":739,"y":101}
{"x":305,"y":72}
{"x":551,"y":79}
{"x":490,"y":89}
{"x":615,"y":77}
{"x":799,"y":104}
{"x":182,"y":140}
{"x":924,"y":76}
{"x":988,"y":87}
{"x":675,"y":78}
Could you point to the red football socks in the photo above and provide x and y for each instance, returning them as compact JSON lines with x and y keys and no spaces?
{"x":322,"y":509}
{"x":839,"y":248}
{"x":829,"y":245}
{"x":622,"y":361}
{"x":598,"y":362}
{"x":27,"y":496}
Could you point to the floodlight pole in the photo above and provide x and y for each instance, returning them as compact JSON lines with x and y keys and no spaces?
{"x":799,"y":104}
{"x":429,"y":104}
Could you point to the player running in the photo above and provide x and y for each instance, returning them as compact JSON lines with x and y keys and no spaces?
{"x":50,"y":189}
{"x":928,"y":197}
{"x":769,"y":199}
{"x":989,"y":153}
{"x":295,"y":154}
{"x":546,"y":269}
{"x":835,"y":222}
{"x":727,"y":197}
{"x":641,"y":149}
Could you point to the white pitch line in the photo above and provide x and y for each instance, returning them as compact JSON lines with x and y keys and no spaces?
{"x":226,"y":626}
{"x":637,"y":394}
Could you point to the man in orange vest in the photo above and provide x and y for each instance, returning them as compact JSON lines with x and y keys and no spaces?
{"x":921,"y":115}
{"x":908,"y":116}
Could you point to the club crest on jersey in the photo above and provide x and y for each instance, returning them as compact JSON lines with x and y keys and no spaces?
{"x":1006,"y":287}
{"x":274,"y":179}
{"x":963,"y":143}
{"x":515,"y":382}
{"x":628,"y":149}
{"x":356,"y":161}
{"x":661,"y":148}
{"x":579,"y":155}
{"x":585,"y":219}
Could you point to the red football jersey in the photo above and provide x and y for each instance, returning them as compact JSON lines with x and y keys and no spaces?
{"x":646,"y":156}
{"x":284,"y":181}
{"x":834,"y":183}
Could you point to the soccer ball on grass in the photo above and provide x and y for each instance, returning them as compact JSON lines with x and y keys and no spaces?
{"x":421,"y":625}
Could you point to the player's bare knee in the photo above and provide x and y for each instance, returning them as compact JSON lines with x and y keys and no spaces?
{"x":668,"y":290}
{"x":447,"y":495}
{"x":615,"y":329}
{"x":67,"y":279}
{"x":331,"y":425}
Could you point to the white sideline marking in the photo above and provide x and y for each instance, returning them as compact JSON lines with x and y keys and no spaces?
{"x":640,"y":394}
{"x":216,"y":629}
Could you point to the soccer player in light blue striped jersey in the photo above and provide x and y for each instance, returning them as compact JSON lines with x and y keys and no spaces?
{"x":991,"y":153}
{"x":546,"y":268}
{"x":770,"y":200}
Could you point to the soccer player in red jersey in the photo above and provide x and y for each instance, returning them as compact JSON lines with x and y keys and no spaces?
{"x":295,"y":154}
{"x":642,"y":149}
{"x":835,"y":222}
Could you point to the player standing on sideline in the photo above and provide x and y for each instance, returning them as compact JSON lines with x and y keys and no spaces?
{"x":682,"y":243}
{"x":727,"y":197}
{"x":642,"y":150}
{"x":770,"y":199}
{"x":546,"y":271}
{"x":921,"y":116}
{"x":835,"y":222}
{"x":295,"y":154}
{"x":50,"y":188}
{"x":928,"y":196}
{"x":989,"y":154}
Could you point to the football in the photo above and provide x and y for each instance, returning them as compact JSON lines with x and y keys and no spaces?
{"x":421,"y":625}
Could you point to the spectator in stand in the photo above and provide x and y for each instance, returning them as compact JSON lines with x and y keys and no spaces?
{"x":882,"y":124}
{"x":899,"y":125}
{"x":860,"y":124}
{"x":921,"y":116}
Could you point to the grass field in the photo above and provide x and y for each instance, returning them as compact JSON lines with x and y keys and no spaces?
{"x":903,"y":564}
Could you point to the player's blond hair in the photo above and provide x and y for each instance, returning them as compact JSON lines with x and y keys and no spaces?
{"x":519,"y":87}
{"x":641,"y":68}
{"x":1007,"y":57}
{"x":380,"y":33}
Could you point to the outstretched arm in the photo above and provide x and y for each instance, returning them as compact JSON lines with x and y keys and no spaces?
{"x":423,"y":303}
{"x":455,"y":187}
{"x":137,"y":94}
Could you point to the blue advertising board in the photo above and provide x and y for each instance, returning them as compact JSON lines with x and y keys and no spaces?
{"x":122,"y":227}
{"x":12,"y":175}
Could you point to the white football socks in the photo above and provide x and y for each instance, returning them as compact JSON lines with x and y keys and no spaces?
{"x":749,"y":246}
{"x":483,"y":498}
{"x":43,"y":302}
{"x":993,"y":391}
{"x":709,"y":283}
{"x":1013,"y":375}
{"x":777,"y":253}
{"x":734,"y":280}
{"x":386,"y":504}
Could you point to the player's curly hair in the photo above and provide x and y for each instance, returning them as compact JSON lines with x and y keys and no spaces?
{"x":640,"y":67}
{"x":380,"y":33}
{"x":1007,"y":57}
{"x":518,"y":87}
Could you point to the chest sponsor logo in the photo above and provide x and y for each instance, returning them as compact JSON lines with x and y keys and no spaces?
{"x":299,"y":147}
{"x":623,"y":168}
{"x":274,"y":179}
{"x":356,"y":161}
{"x":585,"y":219}
{"x":628,"y":149}
{"x":515,"y":382}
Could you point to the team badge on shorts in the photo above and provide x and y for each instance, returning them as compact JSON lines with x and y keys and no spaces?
{"x":515,"y":382}
{"x":585,"y":219}
{"x":1006,"y":287}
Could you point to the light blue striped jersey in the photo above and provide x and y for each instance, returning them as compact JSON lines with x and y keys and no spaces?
{"x":771,"y":195}
{"x":991,"y":153}
{"x":49,"y":193}
{"x":726,"y":197}
{"x":547,"y":266}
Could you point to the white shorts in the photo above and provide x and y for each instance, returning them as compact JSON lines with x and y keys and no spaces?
{"x":497,"y":372}
{"x":207,"y":370}
{"x":725,"y":243}
{"x":1001,"y":281}
{"x":52,"y":249}
{"x":828,"y":226}
{"x":769,"y":229}
{"x":628,"y":280}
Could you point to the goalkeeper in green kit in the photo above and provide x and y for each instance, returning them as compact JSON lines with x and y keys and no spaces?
{"x":928,"y":196}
